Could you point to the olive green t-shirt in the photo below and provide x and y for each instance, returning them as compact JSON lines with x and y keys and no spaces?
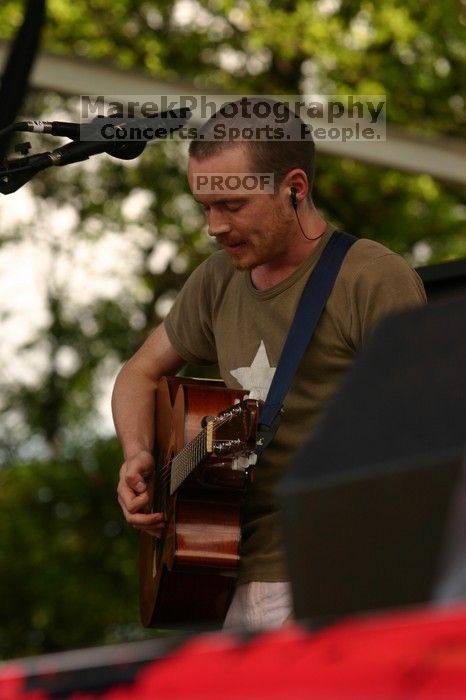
{"x":220,"y":317}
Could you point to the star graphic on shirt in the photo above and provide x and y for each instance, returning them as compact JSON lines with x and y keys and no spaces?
{"x":258,"y":377}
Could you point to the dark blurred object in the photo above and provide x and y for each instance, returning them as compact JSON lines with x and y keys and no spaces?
{"x":87,"y":670}
{"x":367,"y":499}
{"x":15,"y":77}
{"x":445,"y":280}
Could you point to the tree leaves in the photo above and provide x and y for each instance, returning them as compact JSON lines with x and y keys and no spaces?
{"x":68,"y":563}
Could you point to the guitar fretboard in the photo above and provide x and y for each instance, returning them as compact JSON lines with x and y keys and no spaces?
{"x":188,"y":459}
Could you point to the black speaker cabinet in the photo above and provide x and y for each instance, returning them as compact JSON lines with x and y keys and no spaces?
{"x":369,"y":501}
{"x":445,"y":280}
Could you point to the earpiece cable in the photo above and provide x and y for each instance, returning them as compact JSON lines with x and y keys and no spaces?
{"x":302,"y":230}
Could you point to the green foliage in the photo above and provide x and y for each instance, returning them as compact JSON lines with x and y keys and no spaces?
{"x":399,"y":210}
{"x":69,"y":565}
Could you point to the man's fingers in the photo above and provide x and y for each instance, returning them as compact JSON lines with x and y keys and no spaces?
{"x":133,"y":496}
{"x":136,"y":470}
{"x":142,"y":520}
{"x":154,"y":527}
{"x":132,"y":503}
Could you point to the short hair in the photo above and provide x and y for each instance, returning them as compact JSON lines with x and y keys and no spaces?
{"x":275,"y":137}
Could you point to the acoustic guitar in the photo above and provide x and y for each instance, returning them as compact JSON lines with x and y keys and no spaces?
{"x":202,"y":428}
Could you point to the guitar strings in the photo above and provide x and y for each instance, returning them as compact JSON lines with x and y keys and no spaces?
{"x":199,"y":437}
{"x":166,"y":468}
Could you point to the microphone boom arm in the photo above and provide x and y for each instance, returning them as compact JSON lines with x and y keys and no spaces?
{"x":15,"y":173}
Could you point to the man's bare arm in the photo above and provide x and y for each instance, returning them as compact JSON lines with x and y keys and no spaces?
{"x":133,"y":404}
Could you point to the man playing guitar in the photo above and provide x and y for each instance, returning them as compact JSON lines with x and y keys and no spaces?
{"x":235,"y":311}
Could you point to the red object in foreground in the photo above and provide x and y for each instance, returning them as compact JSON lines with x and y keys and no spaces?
{"x":415,"y":655}
{"x":418,"y":655}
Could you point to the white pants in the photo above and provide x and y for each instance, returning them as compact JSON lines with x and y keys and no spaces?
{"x":259,"y":605}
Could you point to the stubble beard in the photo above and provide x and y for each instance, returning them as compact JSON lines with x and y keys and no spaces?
{"x":261,"y":253}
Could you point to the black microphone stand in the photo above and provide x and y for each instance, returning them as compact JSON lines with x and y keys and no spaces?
{"x":16,"y":172}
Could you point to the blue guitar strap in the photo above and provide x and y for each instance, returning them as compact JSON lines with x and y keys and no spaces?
{"x":310,"y":308}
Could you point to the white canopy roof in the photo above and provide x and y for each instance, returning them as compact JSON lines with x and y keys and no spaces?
{"x":442,"y":158}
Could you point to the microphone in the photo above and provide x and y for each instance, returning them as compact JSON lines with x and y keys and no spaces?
{"x":81,"y":150}
{"x":15,"y":173}
{"x":112,"y":127}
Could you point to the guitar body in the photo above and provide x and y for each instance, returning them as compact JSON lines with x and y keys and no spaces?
{"x":188,"y":576}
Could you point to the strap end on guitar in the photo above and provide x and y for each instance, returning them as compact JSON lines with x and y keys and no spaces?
{"x":266,"y":433}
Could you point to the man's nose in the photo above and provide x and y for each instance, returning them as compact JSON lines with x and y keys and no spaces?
{"x":217,"y":223}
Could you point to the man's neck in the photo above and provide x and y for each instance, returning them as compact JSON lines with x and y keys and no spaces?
{"x":272,"y":273}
